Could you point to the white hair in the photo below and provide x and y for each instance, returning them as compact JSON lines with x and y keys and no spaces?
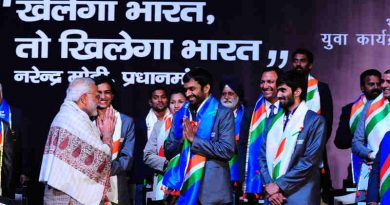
{"x":77,"y":88}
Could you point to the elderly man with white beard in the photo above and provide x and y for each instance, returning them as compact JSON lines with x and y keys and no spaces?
{"x":232,"y":96}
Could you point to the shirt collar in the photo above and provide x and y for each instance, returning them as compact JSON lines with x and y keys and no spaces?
{"x":267,"y":104}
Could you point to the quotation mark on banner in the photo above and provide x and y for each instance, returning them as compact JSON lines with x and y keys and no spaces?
{"x":272,"y":56}
{"x":6,"y":3}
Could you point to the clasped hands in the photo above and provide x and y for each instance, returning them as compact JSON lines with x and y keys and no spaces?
{"x":189,"y":129}
{"x":275,"y":197}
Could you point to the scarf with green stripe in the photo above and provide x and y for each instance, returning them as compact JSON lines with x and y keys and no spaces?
{"x":163,"y":134}
{"x":281,"y":144}
{"x":253,"y":181}
{"x":377,"y":122}
{"x":356,"y":111}
{"x":189,"y":166}
{"x":385,"y":169}
{"x":376,"y":125}
{"x":313,"y":95}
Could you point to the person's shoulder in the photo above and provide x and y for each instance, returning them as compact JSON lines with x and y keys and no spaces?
{"x":323,"y":85}
{"x":347,"y":107}
{"x":313,"y":117}
{"x":222,"y":108}
{"x":126,"y":119}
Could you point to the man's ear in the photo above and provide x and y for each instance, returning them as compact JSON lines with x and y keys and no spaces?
{"x":206,"y":88}
{"x":150,"y":102}
{"x":83,"y":99}
{"x":311,"y":66}
{"x":298,"y":92}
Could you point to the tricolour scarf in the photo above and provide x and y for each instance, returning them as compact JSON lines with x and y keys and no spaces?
{"x":281,"y":144}
{"x":256,"y":131}
{"x":233,"y":163}
{"x":313,"y":95}
{"x":75,"y":160}
{"x":162,"y":136}
{"x":377,"y":123}
{"x":187,"y":174}
{"x":385,"y":170}
{"x":151,"y":119}
{"x":356,"y":111}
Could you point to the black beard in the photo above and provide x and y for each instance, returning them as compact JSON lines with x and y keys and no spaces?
{"x":290,"y":101}
{"x":373,"y":94}
{"x":158,"y":109}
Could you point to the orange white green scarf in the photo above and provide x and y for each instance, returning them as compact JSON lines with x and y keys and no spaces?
{"x":313,"y":95}
{"x":356,"y":110}
{"x":281,"y":144}
{"x":377,"y":123}
{"x":163,"y":134}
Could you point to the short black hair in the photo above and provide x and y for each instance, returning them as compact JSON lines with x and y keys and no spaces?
{"x":105,"y":79}
{"x":158,"y":87}
{"x":277,"y":70}
{"x":305,"y":52}
{"x":369,"y":72}
{"x":387,"y":71}
{"x":294,"y":79}
{"x":200,"y":75}
{"x":177,"y":90}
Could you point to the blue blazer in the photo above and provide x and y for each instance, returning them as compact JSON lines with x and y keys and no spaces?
{"x":301,"y":183}
{"x":215,"y":187}
{"x":124,"y":161}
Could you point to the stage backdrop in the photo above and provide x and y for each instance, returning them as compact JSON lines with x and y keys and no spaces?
{"x":46,"y":43}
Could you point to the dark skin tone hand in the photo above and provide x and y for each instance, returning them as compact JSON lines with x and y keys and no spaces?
{"x":189,"y":129}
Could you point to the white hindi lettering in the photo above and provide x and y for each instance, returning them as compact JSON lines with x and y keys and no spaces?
{"x":85,"y":73}
{"x":329,"y":39}
{"x":363,"y":39}
{"x":73,"y":9}
{"x":154,"y":11}
{"x":33,"y":47}
{"x":151,"y":78}
{"x":36,"y":76}
{"x":228,"y":50}
{"x":373,"y":39}
{"x":77,"y":43}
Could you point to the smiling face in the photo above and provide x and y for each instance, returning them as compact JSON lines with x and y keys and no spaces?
{"x":159,"y":100}
{"x":268,"y":86}
{"x":177,"y":100}
{"x":105,"y":95}
{"x":195,"y":93}
{"x":386,"y":86}
{"x":285,"y":96}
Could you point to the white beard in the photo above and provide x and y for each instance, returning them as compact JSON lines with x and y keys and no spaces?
{"x":230,"y":104}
